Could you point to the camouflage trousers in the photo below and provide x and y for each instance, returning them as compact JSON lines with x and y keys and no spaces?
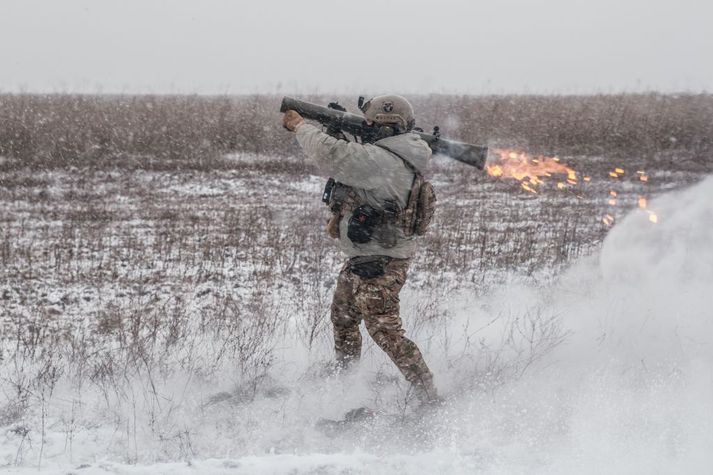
{"x":376,"y":301}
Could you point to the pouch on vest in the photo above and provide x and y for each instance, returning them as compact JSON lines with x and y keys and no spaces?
{"x":333,"y":225}
{"x":362,"y":223}
{"x":335,"y":195}
{"x":420,"y":208}
{"x":368,"y":224}
{"x":426,"y":208}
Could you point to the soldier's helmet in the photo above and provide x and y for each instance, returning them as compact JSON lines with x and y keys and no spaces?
{"x":391,"y":110}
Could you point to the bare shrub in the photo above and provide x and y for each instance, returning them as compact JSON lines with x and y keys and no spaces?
{"x":193,"y":132}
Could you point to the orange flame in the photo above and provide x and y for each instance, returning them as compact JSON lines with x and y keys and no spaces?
{"x":643,"y":204}
{"x":531,"y":171}
{"x":527,"y":169}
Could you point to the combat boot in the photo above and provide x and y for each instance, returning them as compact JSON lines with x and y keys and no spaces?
{"x":426,"y":394}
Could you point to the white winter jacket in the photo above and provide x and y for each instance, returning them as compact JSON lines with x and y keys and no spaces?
{"x":377,"y":175}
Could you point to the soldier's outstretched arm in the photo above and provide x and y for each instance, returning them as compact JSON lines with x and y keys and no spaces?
{"x":351,"y":163}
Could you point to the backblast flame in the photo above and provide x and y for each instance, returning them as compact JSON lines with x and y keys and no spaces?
{"x":527,"y":169}
{"x":531,"y":171}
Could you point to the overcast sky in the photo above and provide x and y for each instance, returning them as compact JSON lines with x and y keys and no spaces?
{"x":369,"y":46}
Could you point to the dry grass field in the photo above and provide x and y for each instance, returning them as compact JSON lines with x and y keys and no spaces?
{"x":194,"y":131}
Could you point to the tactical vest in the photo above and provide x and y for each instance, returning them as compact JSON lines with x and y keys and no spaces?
{"x":367,"y":223}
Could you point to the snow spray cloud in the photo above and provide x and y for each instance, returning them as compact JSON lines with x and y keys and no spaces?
{"x":631,"y":388}
{"x":649,"y":298}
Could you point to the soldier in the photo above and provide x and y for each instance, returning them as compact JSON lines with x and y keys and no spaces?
{"x":372,"y":206}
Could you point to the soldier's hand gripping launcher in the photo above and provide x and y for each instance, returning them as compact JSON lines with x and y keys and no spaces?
{"x":335,"y":118}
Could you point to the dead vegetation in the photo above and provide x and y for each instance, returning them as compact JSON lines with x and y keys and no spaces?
{"x":169,"y":132}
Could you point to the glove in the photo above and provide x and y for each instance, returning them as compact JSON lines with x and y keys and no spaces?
{"x":291,"y":120}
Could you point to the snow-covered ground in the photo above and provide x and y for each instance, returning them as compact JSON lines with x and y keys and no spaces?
{"x":209,"y":357}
